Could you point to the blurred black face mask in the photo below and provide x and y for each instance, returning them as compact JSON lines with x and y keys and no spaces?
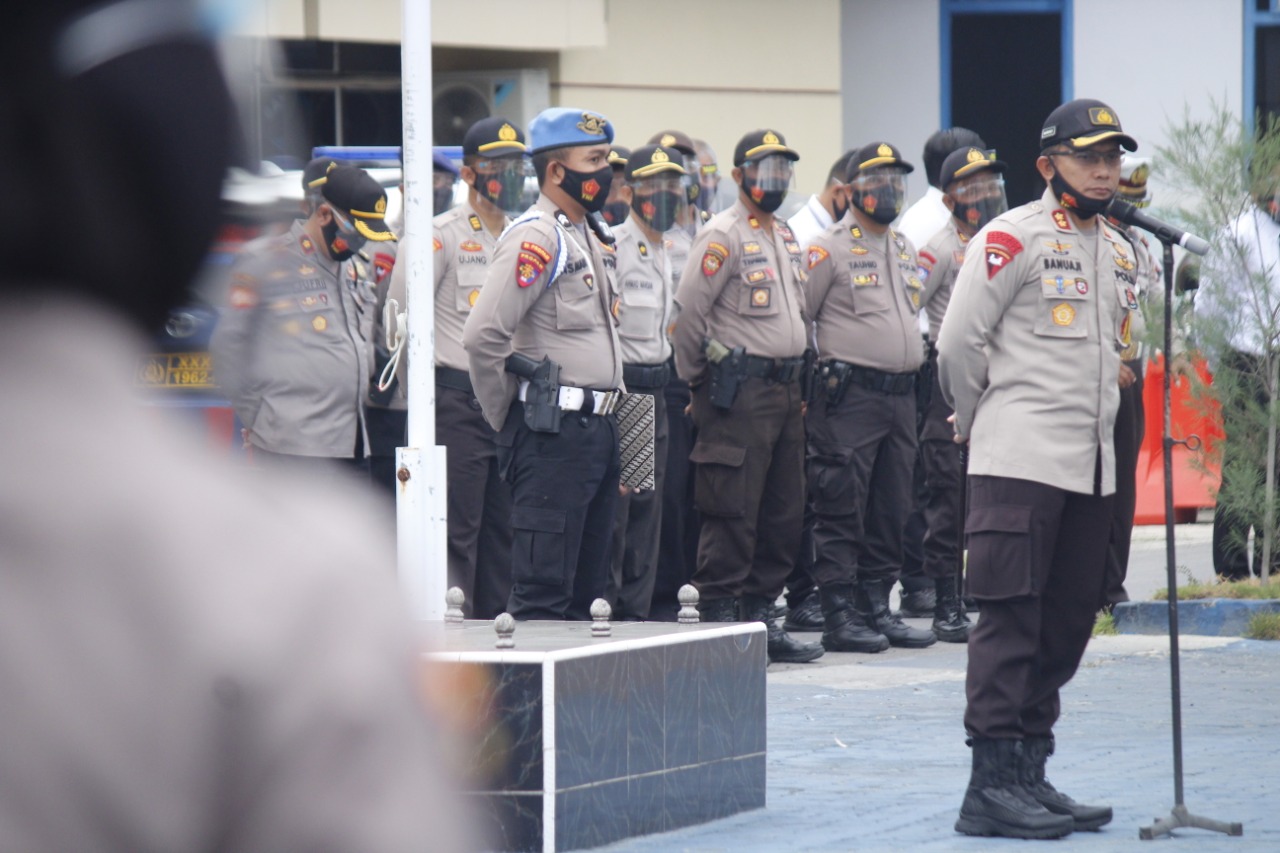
{"x":114,"y":182}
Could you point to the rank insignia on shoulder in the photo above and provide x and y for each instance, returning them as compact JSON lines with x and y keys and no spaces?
{"x":760,"y":297}
{"x":535,"y":249}
{"x":436,"y":245}
{"x":865,"y":280}
{"x":528,"y":267}
{"x":1001,"y":249}
{"x":1063,"y":314}
{"x":1060,"y":220}
{"x":474,"y":220}
{"x":471,"y":246}
{"x":307,"y":246}
{"x":855,"y":232}
{"x":817,"y":255}
{"x":753,"y":222}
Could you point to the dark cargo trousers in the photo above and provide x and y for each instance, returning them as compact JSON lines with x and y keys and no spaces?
{"x":860,"y":460}
{"x":564,"y":488}
{"x":1131,"y":425}
{"x":749,"y":487}
{"x":1037,"y":562}
{"x":943,"y":482}
{"x":637,"y":529}
{"x":479,"y":505}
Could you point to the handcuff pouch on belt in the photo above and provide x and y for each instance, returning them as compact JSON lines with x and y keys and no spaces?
{"x":728,"y":370}
{"x":542,"y":410}
{"x":834,"y":376}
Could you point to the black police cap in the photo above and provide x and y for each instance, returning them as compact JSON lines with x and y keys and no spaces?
{"x":493,"y":137}
{"x":360,"y":198}
{"x":315,"y":173}
{"x":1082,"y":123}
{"x":676,"y":139}
{"x":618,"y":156}
{"x":969,"y":161}
{"x":649,"y":160}
{"x":759,"y":144}
{"x":875,"y":154}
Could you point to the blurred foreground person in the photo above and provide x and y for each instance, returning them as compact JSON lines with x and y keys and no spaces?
{"x":188,"y":661}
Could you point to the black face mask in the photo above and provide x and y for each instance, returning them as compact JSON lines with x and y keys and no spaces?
{"x":658,"y":211}
{"x":767,"y":200}
{"x":504,"y":190}
{"x":838,"y":209}
{"x":1081,"y":205}
{"x":441,"y":200}
{"x":979,"y":214}
{"x":882,"y":204}
{"x":338,"y":243}
{"x":615,"y":213}
{"x":589,"y":189}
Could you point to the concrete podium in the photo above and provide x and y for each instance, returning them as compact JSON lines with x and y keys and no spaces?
{"x":587,"y":739}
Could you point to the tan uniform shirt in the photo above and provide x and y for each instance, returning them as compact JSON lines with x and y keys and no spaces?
{"x":864,"y":294}
{"x":742,"y":286}
{"x":463,"y":251}
{"x":940,"y":262}
{"x":645,"y":302}
{"x":231,"y":668}
{"x":1028,"y":353}
{"x":521,"y":309}
{"x":289,"y":349}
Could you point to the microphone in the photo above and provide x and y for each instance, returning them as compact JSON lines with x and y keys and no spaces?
{"x":1124,"y":212}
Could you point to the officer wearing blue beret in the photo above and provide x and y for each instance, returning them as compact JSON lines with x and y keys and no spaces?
{"x":546,"y":368}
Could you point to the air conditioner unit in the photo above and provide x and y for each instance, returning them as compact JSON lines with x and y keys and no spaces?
{"x":461,"y":98}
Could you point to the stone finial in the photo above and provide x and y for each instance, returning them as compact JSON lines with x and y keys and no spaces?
{"x":688,"y":598}
{"x":454,"y":598}
{"x":600,"y":613}
{"x":505,"y":625}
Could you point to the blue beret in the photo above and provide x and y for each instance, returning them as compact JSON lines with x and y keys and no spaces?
{"x":561,"y":127}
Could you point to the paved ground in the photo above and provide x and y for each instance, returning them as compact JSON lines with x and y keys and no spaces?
{"x":866,"y":752}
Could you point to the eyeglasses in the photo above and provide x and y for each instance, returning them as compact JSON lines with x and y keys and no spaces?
{"x":1091,"y":159}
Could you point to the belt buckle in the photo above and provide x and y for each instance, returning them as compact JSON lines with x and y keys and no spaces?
{"x":608,"y":403}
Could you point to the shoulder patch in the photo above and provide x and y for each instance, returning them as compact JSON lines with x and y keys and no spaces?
{"x":711,"y":263}
{"x":1001,"y":249}
{"x":926,"y":259}
{"x":382,"y":264}
{"x":535,"y":249}
{"x":817,"y":255}
{"x":436,"y":245}
{"x":718,"y":249}
{"x":528,"y":268}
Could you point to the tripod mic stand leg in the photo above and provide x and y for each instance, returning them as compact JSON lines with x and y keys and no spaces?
{"x":1180,"y":818}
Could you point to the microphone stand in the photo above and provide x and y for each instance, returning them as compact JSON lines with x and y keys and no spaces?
{"x":1180,"y":816}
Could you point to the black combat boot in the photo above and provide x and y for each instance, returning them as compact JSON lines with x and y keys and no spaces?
{"x":950,"y":625}
{"x":872,"y":601}
{"x":844,"y":629}
{"x":917,"y":603}
{"x":719,"y":610}
{"x":995,"y":804}
{"x":782,"y":649}
{"x":1035,"y":752}
{"x":805,"y":616}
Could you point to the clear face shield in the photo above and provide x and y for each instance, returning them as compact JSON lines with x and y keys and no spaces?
{"x":660,"y":202}
{"x":879,"y":192}
{"x":501,"y":181}
{"x":768,"y":180}
{"x":979,"y":199}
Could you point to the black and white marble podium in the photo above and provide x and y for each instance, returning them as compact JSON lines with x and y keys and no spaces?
{"x":590,"y":739}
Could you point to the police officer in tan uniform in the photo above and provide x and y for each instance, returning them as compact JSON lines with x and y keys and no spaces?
{"x":291,"y":345}
{"x":740,"y":341}
{"x":864,"y":295}
{"x":973,"y":194}
{"x":644,"y":307}
{"x":493,"y":168}
{"x":546,"y":367}
{"x":1029,"y":359}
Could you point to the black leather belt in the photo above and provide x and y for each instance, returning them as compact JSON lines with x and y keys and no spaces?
{"x":646,"y":375}
{"x":458,"y":380}
{"x":882,"y":381}
{"x":774,"y":369}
